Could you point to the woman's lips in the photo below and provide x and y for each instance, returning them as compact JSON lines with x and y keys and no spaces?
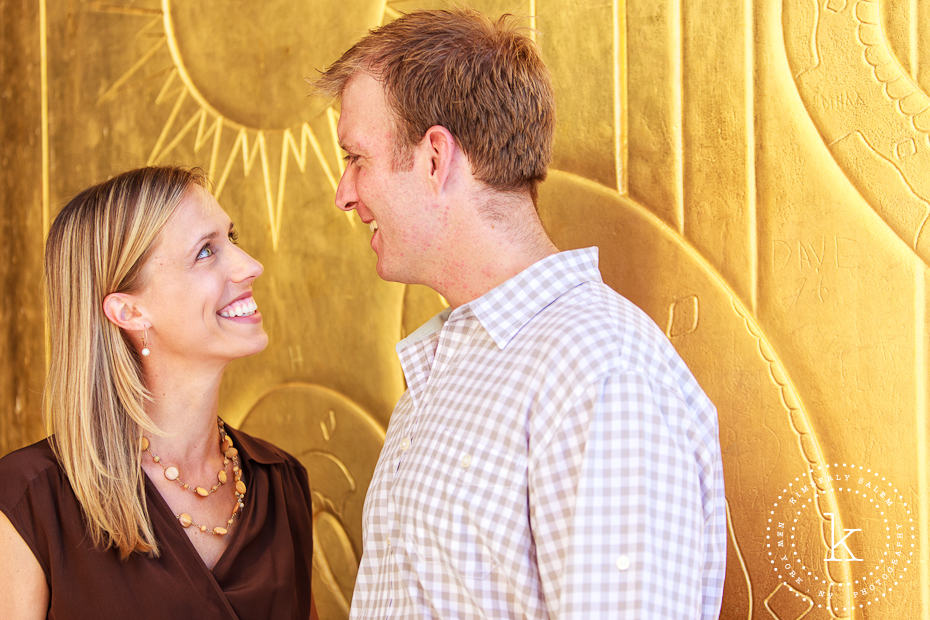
{"x":239,"y":308}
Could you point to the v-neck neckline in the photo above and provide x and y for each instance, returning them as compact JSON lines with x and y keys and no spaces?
{"x":175,"y":529}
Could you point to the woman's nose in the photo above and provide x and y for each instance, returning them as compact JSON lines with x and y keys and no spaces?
{"x":246,"y":267}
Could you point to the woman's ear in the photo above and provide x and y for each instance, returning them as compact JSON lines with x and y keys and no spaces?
{"x":121,"y":310}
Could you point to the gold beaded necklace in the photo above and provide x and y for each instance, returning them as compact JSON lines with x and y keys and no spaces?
{"x":230,"y":453}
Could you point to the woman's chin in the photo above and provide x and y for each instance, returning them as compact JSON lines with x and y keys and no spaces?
{"x":260,"y":344}
{"x":247,"y":347}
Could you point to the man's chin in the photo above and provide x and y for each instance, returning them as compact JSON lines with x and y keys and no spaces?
{"x":389,"y":274}
{"x":383,"y":269}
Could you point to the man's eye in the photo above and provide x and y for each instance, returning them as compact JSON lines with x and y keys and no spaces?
{"x":234,"y":237}
{"x":350,"y":159}
{"x":205,"y":252}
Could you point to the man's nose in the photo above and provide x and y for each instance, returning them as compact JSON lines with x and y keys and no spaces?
{"x":345,"y":191}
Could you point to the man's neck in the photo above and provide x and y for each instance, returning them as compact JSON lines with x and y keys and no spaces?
{"x":491,"y":249}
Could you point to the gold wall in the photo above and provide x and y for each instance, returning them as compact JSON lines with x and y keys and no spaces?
{"x":756,"y":174}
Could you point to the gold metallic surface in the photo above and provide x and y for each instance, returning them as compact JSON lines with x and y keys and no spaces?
{"x":22,"y":337}
{"x":756,"y":174}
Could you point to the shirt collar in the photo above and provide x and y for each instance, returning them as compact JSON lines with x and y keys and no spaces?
{"x":505,"y":309}
{"x":426,"y":330}
{"x":254,"y":449}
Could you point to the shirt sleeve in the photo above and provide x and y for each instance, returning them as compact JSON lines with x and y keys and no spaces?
{"x":619,"y":505}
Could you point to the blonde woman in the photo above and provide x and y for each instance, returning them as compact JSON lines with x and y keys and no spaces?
{"x":142,"y":503}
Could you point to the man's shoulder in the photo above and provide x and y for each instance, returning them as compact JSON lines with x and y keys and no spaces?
{"x":594,"y":316}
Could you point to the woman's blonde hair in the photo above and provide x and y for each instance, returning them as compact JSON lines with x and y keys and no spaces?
{"x":94,"y":393}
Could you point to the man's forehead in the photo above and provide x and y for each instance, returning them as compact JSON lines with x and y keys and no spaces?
{"x":362,"y":91}
{"x":344,"y":137}
{"x":363,"y":110}
{"x":361,"y":80}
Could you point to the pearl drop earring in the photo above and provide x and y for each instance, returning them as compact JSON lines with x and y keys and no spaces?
{"x":146,"y":351}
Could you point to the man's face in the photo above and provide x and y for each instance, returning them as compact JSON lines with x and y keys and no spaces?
{"x":394,"y":202}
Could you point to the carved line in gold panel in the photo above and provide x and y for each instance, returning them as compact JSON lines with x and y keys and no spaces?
{"x":620,"y":107}
{"x":749,"y":42}
{"x":734,"y":543}
{"x":43,"y":88}
{"x":878,"y":129}
{"x":921,"y":360}
{"x":181,"y":87}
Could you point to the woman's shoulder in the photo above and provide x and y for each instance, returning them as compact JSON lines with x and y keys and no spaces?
{"x":260,"y":450}
{"x":29,"y":462}
{"x":278,"y":463}
{"x":27,"y":469}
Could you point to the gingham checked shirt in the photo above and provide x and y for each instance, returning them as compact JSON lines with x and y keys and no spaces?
{"x":552,"y":457}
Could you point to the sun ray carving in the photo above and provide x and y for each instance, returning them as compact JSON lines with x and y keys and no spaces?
{"x":332,"y":118}
{"x":193,"y":124}
{"x":136,"y":11}
{"x":111,"y":92}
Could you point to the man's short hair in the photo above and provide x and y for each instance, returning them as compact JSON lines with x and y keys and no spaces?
{"x":482,"y":80}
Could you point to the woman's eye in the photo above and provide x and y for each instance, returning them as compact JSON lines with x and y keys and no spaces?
{"x":205,"y":252}
{"x":234,"y":237}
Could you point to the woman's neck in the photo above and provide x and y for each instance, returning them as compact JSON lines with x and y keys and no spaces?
{"x":184,"y":407}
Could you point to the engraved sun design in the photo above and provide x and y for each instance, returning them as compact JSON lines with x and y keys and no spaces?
{"x":244,"y":109}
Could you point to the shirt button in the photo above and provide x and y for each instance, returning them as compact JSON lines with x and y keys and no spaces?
{"x":466,"y":461}
{"x":389,"y":542}
{"x":623,"y":562}
{"x":405,"y":444}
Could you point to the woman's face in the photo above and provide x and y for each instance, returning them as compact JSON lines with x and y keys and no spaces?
{"x":197,"y":291}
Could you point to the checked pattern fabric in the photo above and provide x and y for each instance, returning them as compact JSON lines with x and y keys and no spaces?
{"x":552,"y":457}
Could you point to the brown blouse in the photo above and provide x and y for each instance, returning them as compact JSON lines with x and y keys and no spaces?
{"x":264,"y":573}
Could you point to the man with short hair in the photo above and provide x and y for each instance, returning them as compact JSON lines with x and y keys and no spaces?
{"x":552,"y":455}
